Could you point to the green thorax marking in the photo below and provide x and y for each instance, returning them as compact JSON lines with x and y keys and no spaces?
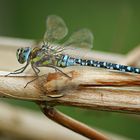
{"x":40,"y":57}
{"x":34,"y":57}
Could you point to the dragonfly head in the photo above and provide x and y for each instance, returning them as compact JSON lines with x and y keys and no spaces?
{"x":23,"y":54}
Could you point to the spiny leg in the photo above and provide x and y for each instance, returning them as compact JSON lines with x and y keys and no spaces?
{"x":30,"y":82}
{"x":18,"y":71}
{"x":57,"y":69}
{"x":37,"y":71}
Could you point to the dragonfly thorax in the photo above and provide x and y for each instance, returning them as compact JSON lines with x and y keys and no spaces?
{"x":23,"y":54}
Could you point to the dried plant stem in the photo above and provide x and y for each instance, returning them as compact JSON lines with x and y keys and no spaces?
{"x":72,"y":124}
{"x":15,"y":125}
{"x":18,"y":123}
{"x":132,"y":58}
{"x":94,"y":89}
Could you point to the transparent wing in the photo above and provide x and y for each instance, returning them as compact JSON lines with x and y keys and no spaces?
{"x":56,"y":29}
{"x":82,"y":38}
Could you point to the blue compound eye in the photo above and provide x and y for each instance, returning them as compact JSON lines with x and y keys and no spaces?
{"x":23,"y":54}
{"x":26,"y":50}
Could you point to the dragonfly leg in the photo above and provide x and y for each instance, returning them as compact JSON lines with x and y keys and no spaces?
{"x":18,"y":71}
{"x":57,"y":69}
{"x":30,"y":82}
{"x":37,"y":71}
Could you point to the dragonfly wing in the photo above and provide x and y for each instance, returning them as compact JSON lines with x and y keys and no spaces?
{"x":56,"y":29}
{"x":82,"y":38}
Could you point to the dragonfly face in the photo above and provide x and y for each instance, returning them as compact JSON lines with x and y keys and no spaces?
{"x":23,"y":54}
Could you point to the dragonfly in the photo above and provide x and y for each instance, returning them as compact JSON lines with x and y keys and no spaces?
{"x":50,"y":55}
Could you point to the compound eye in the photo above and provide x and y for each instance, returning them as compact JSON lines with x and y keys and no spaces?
{"x":26,"y":49}
{"x":18,"y":51}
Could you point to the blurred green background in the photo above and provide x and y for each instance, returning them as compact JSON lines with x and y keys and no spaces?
{"x":115,"y":25}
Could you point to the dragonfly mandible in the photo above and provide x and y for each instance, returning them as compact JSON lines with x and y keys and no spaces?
{"x":49,"y":55}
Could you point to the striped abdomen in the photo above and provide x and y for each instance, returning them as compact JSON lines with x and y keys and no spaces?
{"x":69,"y":61}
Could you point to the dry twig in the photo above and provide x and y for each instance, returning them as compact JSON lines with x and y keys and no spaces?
{"x":133,"y":57}
{"x":20,"y":123}
{"x":94,"y":89}
{"x":72,"y":124}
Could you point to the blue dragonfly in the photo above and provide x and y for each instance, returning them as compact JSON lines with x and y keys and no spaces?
{"x":51,"y":55}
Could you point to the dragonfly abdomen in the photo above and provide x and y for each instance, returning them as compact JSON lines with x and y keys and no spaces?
{"x":70,"y":61}
{"x":66,"y":61}
{"x":111,"y":66}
